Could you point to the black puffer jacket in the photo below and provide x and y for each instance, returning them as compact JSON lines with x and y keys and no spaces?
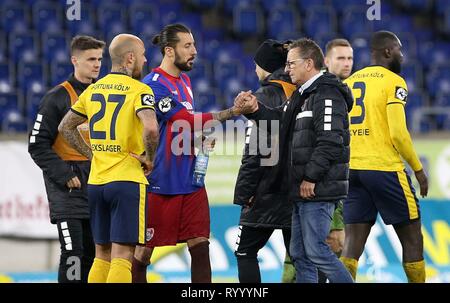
{"x":314,"y":138}
{"x":270,"y":210}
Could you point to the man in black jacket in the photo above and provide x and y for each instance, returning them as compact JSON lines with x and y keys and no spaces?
{"x":314,"y":138}
{"x":261,"y":214}
{"x":65,"y":170}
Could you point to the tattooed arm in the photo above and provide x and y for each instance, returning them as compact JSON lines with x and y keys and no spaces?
{"x":68,"y":129}
{"x":151,"y":132}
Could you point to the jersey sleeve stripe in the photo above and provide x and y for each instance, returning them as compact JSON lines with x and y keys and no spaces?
{"x":142,"y":108}
{"x":78,"y":113}
{"x":395,"y":102}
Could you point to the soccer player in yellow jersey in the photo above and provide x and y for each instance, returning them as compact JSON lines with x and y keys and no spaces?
{"x":122,"y":125}
{"x":379,"y":141}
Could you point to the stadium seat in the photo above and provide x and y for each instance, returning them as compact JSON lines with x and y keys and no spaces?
{"x":438,"y":79}
{"x":7,"y":77}
{"x":202,"y":69}
{"x":304,"y":6}
{"x":55,"y":47}
{"x":319,"y":20}
{"x":361,"y":51}
{"x":208,"y":101}
{"x":423,"y":6}
{"x":204,"y":4}
{"x":269,"y":5}
{"x":86,"y":24}
{"x":415,"y":101}
{"x":23,"y":47}
{"x":443,"y":100}
{"x":169,"y":13}
{"x":323,"y":38}
{"x":227,"y":70}
{"x":59,"y":72}
{"x":283,"y":21}
{"x":13,"y":122}
{"x":111,"y":19}
{"x":248,"y":20}
{"x":14,"y":17}
{"x":10,"y":102}
{"x":31,"y":76}
{"x":354,"y":20}
{"x":441,"y":6}
{"x":47,"y":17}
{"x":33,"y":100}
{"x":342,"y":7}
{"x":231,"y":5}
{"x":145,"y":19}
{"x":413,"y":75}
{"x":231,"y":88}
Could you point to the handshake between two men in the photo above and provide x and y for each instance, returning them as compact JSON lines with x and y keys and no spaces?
{"x":245,"y":103}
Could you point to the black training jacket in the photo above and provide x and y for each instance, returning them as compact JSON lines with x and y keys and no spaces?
{"x":63,"y":203}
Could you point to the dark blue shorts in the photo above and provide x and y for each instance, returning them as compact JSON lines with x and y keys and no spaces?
{"x":118,"y":212}
{"x":389,"y":193}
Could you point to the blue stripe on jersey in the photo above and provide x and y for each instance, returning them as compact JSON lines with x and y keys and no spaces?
{"x":171,"y":174}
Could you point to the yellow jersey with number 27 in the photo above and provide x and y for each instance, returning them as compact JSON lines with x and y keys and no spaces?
{"x":111,"y":105}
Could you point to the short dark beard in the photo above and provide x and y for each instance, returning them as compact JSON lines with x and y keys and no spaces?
{"x":183,"y":66}
{"x":395,"y":66}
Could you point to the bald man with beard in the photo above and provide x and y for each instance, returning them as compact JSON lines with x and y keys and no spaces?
{"x":122,"y":125}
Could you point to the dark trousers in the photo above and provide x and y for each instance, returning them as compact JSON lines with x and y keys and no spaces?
{"x":250,"y":241}
{"x":77,"y":250}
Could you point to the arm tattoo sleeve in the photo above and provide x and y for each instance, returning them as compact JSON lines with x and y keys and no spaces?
{"x":151,"y":133}
{"x":223,"y":115}
{"x":68,"y":129}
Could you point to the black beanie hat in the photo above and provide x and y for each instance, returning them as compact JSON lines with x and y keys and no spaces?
{"x":271,"y":55}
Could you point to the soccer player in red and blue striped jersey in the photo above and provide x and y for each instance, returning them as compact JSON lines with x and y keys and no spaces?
{"x":178,"y":211}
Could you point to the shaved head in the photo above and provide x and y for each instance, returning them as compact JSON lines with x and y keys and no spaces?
{"x":386,"y":50}
{"x":123,"y":44}
{"x":127,"y":55}
{"x":382,"y":40}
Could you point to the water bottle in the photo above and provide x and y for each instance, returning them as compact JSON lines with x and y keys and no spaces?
{"x":200,"y":167}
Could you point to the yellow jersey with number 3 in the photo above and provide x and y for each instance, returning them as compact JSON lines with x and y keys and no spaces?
{"x":374,"y":89}
{"x":111,"y":105}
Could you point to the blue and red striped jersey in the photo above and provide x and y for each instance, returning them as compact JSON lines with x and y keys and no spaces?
{"x":173,"y":170}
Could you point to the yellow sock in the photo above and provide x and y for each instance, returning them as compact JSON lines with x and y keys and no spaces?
{"x":415,"y":271}
{"x":351,"y":265}
{"x":99,"y":271}
{"x":120,"y":271}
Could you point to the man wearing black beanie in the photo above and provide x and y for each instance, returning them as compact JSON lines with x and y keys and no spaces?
{"x":261,"y":214}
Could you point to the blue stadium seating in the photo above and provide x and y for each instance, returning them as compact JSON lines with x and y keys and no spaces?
{"x":283,"y":20}
{"x":59,"y":72}
{"x":354,"y":21}
{"x":7,"y":77}
{"x":37,"y":33}
{"x":227,"y":70}
{"x":55,"y":47}
{"x":412,"y":73}
{"x":144,"y":19}
{"x":438,"y":80}
{"x":31,"y":76}
{"x":86,"y":24}
{"x":13,"y":122}
{"x":208,"y":101}
{"x":9,"y":102}
{"x":47,"y":17}
{"x":23,"y":47}
{"x":248,"y":21}
{"x":321,"y":19}
{"x":32,"y":105}
{"x":15,"y":17}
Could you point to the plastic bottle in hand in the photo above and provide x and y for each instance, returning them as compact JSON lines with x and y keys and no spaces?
{"x":200,"y":167}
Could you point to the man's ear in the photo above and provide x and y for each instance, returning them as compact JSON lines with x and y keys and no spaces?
{"x":327,"y":61}
{"x":74,"y":60}
{"x":169,"y":51}
{"x":387,"y":53}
